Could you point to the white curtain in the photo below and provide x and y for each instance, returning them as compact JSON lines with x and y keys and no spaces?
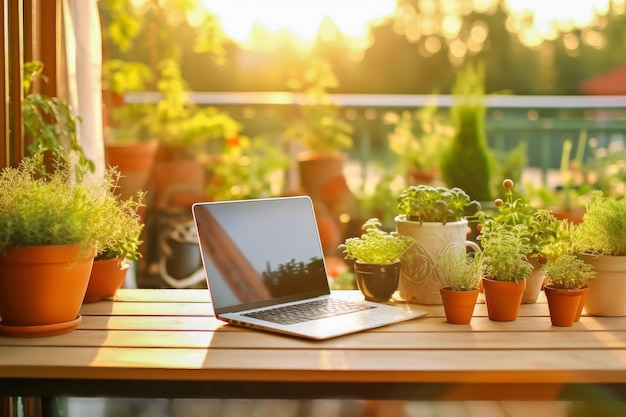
{"x":83,"y":48}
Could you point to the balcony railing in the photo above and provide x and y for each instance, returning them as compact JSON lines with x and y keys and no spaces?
{"x":543,"y":122}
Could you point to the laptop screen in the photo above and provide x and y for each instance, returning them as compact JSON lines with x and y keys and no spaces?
{"x":260,"y":252}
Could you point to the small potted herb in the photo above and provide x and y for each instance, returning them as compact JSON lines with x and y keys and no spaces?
{"x":460,"y":278}
{"x":119,"y":229}
{"x":505,"y":268}
{"x":436,"y":218}
{"x":377,"y":255}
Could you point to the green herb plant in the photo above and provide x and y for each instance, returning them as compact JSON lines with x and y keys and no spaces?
{"x":538,"y":227}
{"x":425,"y":203}
{"x":375,"y":246}
{"x":40,"y":207}
{"x":603,"y":228}
{"x":504,"y":254}
{"x":459,"y":271}
{"x":117,"y":222}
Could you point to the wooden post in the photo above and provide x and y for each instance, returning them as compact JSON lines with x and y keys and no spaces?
{"x":5,"y":149}
{"x":16,"y":59}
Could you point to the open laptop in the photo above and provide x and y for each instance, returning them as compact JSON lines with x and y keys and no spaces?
{"x":263,"y":259}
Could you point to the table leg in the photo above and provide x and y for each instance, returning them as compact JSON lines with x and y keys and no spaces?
{"x":6,"y":407}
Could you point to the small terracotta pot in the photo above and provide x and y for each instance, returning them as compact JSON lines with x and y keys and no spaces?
{"x":503,"y":299}
{"x":107,"y":276}
{"x":563,"y":305}
{"x":458,"y":305}
{"x":377,"y":282}
{"x":584,"y":291}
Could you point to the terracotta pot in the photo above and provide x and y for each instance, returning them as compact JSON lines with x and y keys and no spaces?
{"x":419,"y":278}
{"x":42,"y":287}
{"x":135,"y":162}
{"x":607,"y":291}
{"x":503,"y":299}
{"x":458,"y":305}
{"x":563,"y":305}
{"x":584,"y":291}
{"x":107,"y":276}
{"x":316,"y":171}
{"x":377,"y":282}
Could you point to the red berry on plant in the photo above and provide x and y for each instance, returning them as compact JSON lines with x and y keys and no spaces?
{"x":499,"y":202}
{"x":508,"y":183}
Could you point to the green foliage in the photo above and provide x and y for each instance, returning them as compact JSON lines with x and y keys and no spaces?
{"x":459,"y":270}
{"x":503,"y":257}
{"x":465,"y":163}
{"x":49,"y":121}
{"x":376,"y":246}
{"x":319,"y":129}
{"x":117,"y":222}
{"x":247,"y":168}
{"x":603,"y":228}
{"x":568,"y":272}
{"x":538,"y":227}
{"x":38,"y":207}
{"x":417,"y":139}
{"x":425,"y":203}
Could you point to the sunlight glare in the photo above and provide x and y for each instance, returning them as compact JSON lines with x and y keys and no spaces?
{"x":300,"y":19}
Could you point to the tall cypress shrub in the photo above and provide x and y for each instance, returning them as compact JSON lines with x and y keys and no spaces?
{"x":465,"y":163}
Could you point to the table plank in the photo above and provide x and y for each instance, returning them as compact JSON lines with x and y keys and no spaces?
{"x":316,"y":365}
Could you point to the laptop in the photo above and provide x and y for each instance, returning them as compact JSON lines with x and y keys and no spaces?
{"x":265,"y":269}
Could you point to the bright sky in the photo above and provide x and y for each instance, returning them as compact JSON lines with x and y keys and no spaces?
{"x":302,"y":18}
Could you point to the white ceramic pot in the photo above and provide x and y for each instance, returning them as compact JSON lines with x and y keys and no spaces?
{"x":607,"y":291}
{"x":419,"y":279}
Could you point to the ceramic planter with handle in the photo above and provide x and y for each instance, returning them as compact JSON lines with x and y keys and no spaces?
{"x":420,"y":281}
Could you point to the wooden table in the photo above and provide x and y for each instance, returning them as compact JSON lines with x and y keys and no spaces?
{"x":166,"y":343}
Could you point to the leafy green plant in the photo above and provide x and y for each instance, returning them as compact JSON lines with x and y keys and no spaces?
{"x":425,"y":203}
{"x":48,"y":207}
{"x":459,"y":271}
{"x":49,"y":122}
{"x":538,"y":227}
{"x":376,"y":246}
{"x":417,"y":139}
{"x":504,"y":254}
{"x":568,"y":272}
{"x":319,"y":129}
{"x":117,"y":222}
{"x":603,"y":228}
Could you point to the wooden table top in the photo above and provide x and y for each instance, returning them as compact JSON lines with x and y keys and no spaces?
{"x":164,"y":342}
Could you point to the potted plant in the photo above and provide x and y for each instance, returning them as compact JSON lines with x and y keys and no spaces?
{"x":567,"y":277}
{"x":505,"y":267}
{"x":600,"y":239}
{"x":322,"y":136}
{"x":119,"y":229}
{"x":377,"y":255}
{"x":435,"y":218}
{"x":538,"y":227}
{"x":460,"y":277}
{"x":47,"y":243}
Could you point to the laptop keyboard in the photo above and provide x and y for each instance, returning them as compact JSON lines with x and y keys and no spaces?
{"x":312,"y":310}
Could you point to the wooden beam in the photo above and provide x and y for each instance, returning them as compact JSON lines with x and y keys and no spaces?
{"x":50,"y":44}
{"x":16,"y":60}
{"x":5,"y":149}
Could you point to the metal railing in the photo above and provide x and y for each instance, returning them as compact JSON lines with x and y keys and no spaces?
{"x":543,"y":122}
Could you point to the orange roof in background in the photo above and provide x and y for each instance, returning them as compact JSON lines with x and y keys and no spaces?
{"x":612,"y":82}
